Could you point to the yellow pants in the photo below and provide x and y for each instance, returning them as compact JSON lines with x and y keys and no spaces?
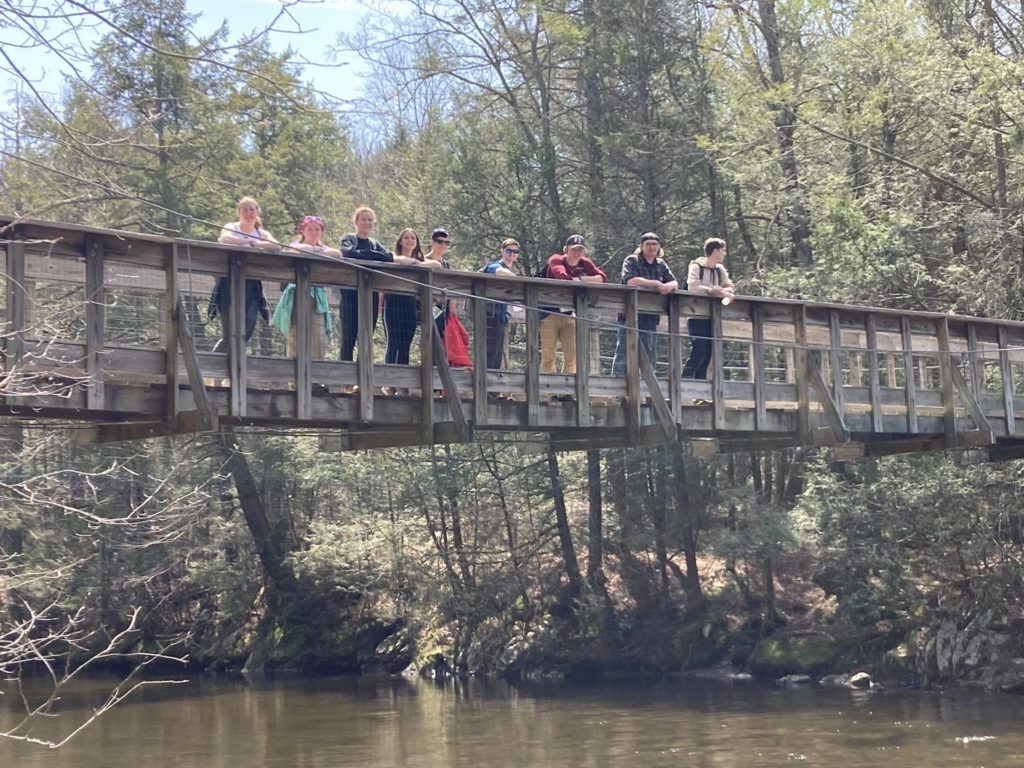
{"x":558,"y":328}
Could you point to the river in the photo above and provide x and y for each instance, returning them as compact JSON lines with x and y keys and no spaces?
{"x":377,"y":722}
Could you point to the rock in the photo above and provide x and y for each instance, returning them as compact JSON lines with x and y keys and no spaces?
{"x":721,"y":675}
{"x":834,"y":681}
{"x":793,"y":681}
{"x":945,"y":641}
{"x":859,"y":680}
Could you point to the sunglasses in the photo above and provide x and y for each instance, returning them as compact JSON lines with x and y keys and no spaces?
{"x":511,"y":250}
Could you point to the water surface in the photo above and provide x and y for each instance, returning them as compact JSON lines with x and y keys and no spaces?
{"x":371,"y":723}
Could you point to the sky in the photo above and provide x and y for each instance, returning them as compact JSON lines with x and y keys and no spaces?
{"x":311,"y":27}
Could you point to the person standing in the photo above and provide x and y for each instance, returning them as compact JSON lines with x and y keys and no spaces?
{"x":247,"y":232}
{"x":401,"y":310}
{"x":559,"y":325}
{"x":706,"y":275}
{"x":440,"y":243}
{"x":361,"y":245}
{"x":497,"y":313}
{"x":644,"y":268}
{"x":309,"y":240}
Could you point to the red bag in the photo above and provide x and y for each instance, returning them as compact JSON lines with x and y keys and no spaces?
{"x":456,"y":342}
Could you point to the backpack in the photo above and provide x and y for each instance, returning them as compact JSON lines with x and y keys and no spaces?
{"x":700,"y":277}
{"x":543,"y":271}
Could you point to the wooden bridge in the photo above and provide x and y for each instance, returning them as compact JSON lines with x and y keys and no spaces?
{"x":107,"y":328}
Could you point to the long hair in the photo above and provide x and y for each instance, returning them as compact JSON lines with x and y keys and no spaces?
{"x":259,"y":211}
{"x":417,"y":252}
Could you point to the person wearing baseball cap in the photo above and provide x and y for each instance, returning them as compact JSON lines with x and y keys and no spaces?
{"x":558,"y":325}
{"x":644,"y":268}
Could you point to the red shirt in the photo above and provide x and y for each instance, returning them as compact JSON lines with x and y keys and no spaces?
{"x":559,"y":269}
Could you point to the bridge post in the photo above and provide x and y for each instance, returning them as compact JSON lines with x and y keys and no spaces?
{"x":675,"y":357}
{"x":172,"y":317}
{"x":303,"y":318}
{"x":800,"y":357}
{"x":1006,"y":371}
{"x":95,"y":312}
{"x":757,"y":366}
{"x":532,"y":356}
{"x":717,"y":367}
{"x":427,"y":333}
{"x":364,"y":343}
{"x":836,"y":360}
{"x":479,"y":313}
{"x":236,"y":342}
{"x":14,"y":339}
{"x":582,"y":306}
{"x":948,"y":387}
{"x":874,"y":386}
{"x":632,"y":368}
{"x":910,"y":383}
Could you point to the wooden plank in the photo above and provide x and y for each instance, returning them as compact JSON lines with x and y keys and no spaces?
{"x":675,"y":357}
{"x":874,"y":385}
{"x":974,"y":364}
{"x":835,"y":356}
{"x":364,"y":343}
{"x":195,"y":374}
{"x":800,"y":360}
{"x":14,"y":339}
{"x":910,"y":385}
{"x":757,"y":366}
{"x":582,"y":359}
{"x":658,"y":401}
{"x":829,"y":407}
{"x":95,"y":312}
{"x":532,"y":356}
{"x":973,"y":407}
{"x":479,"y":312}
{"x":303,"y":318}
{"x":632,"y":368}
{"x":1006,"y":374}
{"x":236,"y":339}
{"x":948,"y":387}
{"x":451,"y":391}
{"x":427,"y":336}
{"x":717,"y":367}
{"x":172,"y":318}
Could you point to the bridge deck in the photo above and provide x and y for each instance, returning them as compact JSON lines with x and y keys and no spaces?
{"x":109,"y":328}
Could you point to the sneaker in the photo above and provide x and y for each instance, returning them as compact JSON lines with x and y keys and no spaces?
{"x":699,"y":401}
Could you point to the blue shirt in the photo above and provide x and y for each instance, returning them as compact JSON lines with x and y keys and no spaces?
{"x":498,"y":311}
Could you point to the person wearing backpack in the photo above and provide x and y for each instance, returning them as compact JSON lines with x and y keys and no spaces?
{"x":706,"y":275}
{"x":497,"y":313}
{"x":644,"y":268}
{"x":559,"y":325}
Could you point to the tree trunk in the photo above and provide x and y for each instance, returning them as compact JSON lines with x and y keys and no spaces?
{"x":689,"y":518}
{"x":595,"y":527}
{"x":572,"y":566}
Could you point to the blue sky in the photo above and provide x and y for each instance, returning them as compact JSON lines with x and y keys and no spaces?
{"x":311,"y":28}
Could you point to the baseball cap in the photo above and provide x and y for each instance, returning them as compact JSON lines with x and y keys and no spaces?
{"x":439,"y":232}
{"x":575,"y":240}
{"x":649,"y":236}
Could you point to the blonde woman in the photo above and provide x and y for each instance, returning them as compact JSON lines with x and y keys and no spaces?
{"x":247,"y":232}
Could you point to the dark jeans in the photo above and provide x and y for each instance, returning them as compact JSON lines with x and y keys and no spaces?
{"x":497,"y":329}
{"x":220,"y":305}
{"x":348,"y":311}
{"x":649,"y":339}
{"x":697,"y":363}
{"x":401,"y":317}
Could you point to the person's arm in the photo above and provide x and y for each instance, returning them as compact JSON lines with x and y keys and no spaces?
{"x":556,"y":268}
{"x":504,"y":272}
{"x":727,"y":284}
{"x":319,"y":250}
{"x":594,"y":274}
{"x":230,"y":236}
{"x":266,"y":241}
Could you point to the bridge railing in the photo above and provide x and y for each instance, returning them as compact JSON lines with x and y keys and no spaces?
{"x":94,"y":320}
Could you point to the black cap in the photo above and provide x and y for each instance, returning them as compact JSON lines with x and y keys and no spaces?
{"x":439,"y":232}
{"x":575,"y":240}
{"x":649,"y":236}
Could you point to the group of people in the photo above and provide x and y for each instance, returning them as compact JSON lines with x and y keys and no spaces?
{"x":644,"y":268}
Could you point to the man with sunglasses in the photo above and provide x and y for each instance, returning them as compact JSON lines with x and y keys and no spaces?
{"x":498,"y":314}
{"x":440,"y":243}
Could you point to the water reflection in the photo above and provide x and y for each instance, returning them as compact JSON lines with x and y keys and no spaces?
{"x":370,"y":722}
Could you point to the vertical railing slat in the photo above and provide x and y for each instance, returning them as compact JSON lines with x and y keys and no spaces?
{"x":582,"y":305}
{"x":532,"y":356}
{"x":910,"y":384}
{"x":303,"y":317}
{"x":172,"y":317}
{"x":757,"y":367}
{"x":427,"y":360}
{"x":479,"y":312}
{"x":675,"y":357}
{"x":874,"y":385}
{"x":948,"y":387}
{"x":236,"y":342}
{"x":717,"y":367}
{"x":803,"y":395}
{"x":1006,"y":374}
{"x":364,"y":343}
{"x":835,"y":356}
{"x":95,"y":315}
